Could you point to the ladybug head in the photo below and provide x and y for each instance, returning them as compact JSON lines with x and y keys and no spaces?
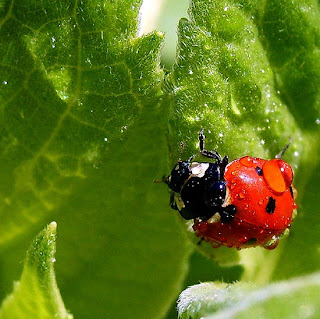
{"x":178,"y":176}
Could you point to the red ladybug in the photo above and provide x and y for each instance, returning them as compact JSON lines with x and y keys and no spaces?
{"x":248,"y":202}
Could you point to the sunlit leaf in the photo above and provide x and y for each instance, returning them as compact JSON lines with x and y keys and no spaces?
{"x":36,"y":295}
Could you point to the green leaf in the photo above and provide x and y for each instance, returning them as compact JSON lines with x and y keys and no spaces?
{"x":293,"y":51}
{"x":36,"y":295}
{"x":295,"y":298}
{"x":234,"y":80}
{"x":82,"y":137}
{"x":223,"y":82}
{"x":83,"y":124}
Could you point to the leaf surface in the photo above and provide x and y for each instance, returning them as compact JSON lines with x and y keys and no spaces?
{"x":36,"y":295}
{"x":290,"y":299}
{"x":82,"y":138}
{"x":241,"y":75}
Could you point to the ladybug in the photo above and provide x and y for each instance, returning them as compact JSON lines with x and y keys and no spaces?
{"x":245,"y":203}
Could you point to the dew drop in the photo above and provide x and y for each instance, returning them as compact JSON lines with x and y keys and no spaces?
{"x":123,"y":128}
{"x":242,"y":195}
{"x":246,"y":161}
{"x":243,"y":240}
{"x":223,"y":239}
{"x":272,"y":244}
{"x":215,"y":244}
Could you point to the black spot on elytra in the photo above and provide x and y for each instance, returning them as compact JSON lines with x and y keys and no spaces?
{"x":259,"y":170}
{"x":228,"y":213}
{"x":271,"y":206}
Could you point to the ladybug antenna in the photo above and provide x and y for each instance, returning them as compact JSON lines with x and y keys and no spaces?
{"x":163,"y":180}
{"x":284,"y":149}
{"x":181,"y":149}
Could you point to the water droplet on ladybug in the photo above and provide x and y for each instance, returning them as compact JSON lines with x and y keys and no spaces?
{"x":242,"y":195}
{"x":243,"y":240}
{"x":272,"y":244}
{"x":277,"y":174}
{"x":223,"y":239}
{"x":215,"y":244}
{"x":260,"y":202}
{"x":246,"y":161}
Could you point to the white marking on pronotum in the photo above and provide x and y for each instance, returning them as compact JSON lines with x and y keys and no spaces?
{"x":199,"y":169}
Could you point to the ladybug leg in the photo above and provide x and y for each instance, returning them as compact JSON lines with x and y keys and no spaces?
{"x":212,"y":154}
{"x":204,"y":152}
{"x":201,"y":141}
{"x":190,"y":159}
{"x":223,"y":165}
{"x":173,"y":203}
{"x":227,"y":213}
